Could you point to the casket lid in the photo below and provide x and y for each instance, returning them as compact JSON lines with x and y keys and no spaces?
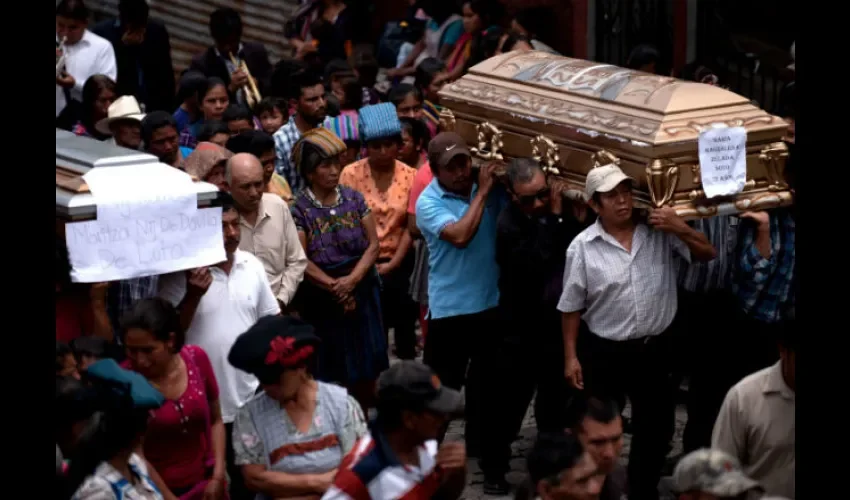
{"x":77,"y":155}
{"x":556,"y":90}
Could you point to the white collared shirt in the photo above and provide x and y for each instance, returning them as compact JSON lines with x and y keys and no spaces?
{"x":231,"y":305}
{"x":92,"y":55}
{"x":625,"y":295}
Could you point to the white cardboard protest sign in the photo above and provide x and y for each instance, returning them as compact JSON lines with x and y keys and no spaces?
{"x":147,"y":223}
{"x":723,"y":160}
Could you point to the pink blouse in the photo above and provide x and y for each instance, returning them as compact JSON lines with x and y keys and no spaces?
{"x":178,"y":442}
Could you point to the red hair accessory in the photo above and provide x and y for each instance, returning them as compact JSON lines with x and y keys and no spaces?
{"x":283,"y":352}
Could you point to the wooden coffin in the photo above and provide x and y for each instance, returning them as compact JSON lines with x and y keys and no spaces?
{"x":573,"y":115}
{"x":76,"y":155}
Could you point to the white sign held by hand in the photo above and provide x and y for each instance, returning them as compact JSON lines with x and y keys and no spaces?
{"x":723,"y":160}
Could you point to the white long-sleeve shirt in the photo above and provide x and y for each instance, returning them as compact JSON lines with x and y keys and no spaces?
{"x":92,"y":55}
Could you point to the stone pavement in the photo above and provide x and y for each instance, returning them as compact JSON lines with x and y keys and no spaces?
{"x":523,"y":443}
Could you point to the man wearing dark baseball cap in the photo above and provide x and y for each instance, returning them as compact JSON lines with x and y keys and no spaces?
{"x":400,"y":454}
{"x":457,"y":218}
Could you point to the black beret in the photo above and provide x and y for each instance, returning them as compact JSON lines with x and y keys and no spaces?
{"x":273,"y":344}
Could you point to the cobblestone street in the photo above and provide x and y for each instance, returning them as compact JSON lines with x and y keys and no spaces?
{"x":522,"y":444}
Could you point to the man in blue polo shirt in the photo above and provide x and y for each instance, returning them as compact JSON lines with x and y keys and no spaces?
{"x":457,"y":218}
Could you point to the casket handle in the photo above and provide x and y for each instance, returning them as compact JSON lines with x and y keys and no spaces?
{"x":489,"y":142}
{"x":546,"y":153}
{"x":662,"y":177}
{"x":447,"y":120}
{"x":772,"y":157}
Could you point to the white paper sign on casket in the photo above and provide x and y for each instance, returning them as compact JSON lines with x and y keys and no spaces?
{"x":147,"y":223}
{"x":723,"y":160}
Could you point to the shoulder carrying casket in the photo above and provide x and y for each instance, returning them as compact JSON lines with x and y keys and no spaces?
{"x":76,"y":155}
{"x":573,"y":115}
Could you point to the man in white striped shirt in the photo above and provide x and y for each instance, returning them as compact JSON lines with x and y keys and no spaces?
{"x":620,"y":279}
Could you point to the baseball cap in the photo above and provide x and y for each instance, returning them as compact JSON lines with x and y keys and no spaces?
{"x":444,"y":147}
{"x":603,"y":179}
{"x":711,"y":471}
{"x":414,"y":386}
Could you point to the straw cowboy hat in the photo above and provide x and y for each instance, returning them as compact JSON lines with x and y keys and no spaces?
{"x":125,"y":107}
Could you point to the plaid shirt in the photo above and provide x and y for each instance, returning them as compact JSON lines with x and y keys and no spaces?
{"x":715,"y":274}
{"x":125,"y":293}
{"x":764,"y":287}
{"x":284,"y":140}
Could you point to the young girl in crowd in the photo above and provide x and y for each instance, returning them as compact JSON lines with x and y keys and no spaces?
{"x":272,"y":113}
{"x":98,"y":93}
{"x":214,"y":131}
{"x":430,"y":77}
{"x":213,"y":100}
{"x":189,"y":110}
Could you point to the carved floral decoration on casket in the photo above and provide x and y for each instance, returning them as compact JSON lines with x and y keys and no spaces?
{"x":551,"y":108}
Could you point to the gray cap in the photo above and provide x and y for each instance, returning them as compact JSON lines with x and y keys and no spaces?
{"x":711,"y":471}
{"x":603,"y":179}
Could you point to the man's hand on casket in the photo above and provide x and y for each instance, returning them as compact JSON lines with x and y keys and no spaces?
{"x":486,"y":178}
{"x":761,"y":218}
{"x":666,"y":219}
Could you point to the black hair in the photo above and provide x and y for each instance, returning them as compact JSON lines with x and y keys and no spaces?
{"x":787,"y":106}
{"x":552,"y":454}
{"x":282,"y":74}
{"x":236,"y":112}
{"x":439,"y":10}
{"x":154,"y":121}
{"x":92,"y":89}
{"x":207,"y":85}
{"x":582,"y":406}
{"x":224,"y":200}
{"x":133,"y":12}
{"x":338,"y":68}
{"x":417,"y":130}
{"x":256,"y":142}
{"x":643,"y":55}
{"x":96,"y":347}
{"x":157,"y":316}
{"x":486,"y":45}
{"x":113,"y":424}
{"x":538,"y":21}
{"x":311,"y":158}
{"x":414,"y":30}
{"x":302,"y":80}
{"x":400,"y":92}
{"x":490,"y":11}
{"x":225,"y":23}
{"x":63,"y":264}
{"x":62,"y":351}
{"x":269,"y":104}
{"x":427,"y":71}
{"x":73,"y":9}
{"x":366,"y":64}
{"x":211,"y":128}
{"x":188,"y":85}
{"x":352,"y":94}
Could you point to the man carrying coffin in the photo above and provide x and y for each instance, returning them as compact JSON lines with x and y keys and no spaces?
{"x":620,"y":279}
{"x":216,"y":305}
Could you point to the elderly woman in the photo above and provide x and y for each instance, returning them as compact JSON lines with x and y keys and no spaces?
{"x":291,"y":437}
{"x":340,"y":296}
{"x":207,"y":164}
{"x":385,"y":183}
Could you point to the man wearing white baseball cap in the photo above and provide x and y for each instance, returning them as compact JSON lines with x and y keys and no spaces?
{"x":123,"y":122}
{"x":620,"y":291}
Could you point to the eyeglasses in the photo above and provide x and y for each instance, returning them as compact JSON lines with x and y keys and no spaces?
{"x":529,"y":199}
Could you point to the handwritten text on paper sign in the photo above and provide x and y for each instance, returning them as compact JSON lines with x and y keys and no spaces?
{"x":723,"y":160}
{"x":143,"y":246}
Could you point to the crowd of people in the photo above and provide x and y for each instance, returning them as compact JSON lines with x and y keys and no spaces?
{"x":356,"y":230}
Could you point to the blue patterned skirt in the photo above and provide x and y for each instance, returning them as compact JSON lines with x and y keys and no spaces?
{"x":353,"y":348}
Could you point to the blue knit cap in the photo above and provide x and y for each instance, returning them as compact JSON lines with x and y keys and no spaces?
{"x":379,"y":121}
